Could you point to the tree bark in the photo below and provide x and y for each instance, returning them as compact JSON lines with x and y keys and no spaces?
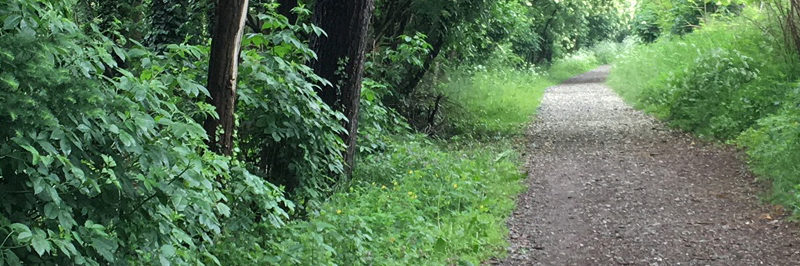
{"x":223,"y":70}
{"x":346,"y":24}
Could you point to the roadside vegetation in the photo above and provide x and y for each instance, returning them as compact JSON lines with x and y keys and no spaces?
{"x":726,"y":72}
{"x":123,"y":141}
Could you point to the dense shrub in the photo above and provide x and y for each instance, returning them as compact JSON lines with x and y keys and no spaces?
{"x":706,"y":96}
{"x":105,"y":166}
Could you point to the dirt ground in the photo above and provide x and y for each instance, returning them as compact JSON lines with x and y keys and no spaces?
{"x":609,"y":185}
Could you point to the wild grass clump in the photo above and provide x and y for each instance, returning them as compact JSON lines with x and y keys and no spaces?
{"x":494,"y":102}
{"x":567,"y":67}
{"x":732,"y":80}
{"x":415,"y":204}
{"x":606,"y":52}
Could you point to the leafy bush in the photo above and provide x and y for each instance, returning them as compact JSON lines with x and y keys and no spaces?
{"x":107,"y":166}
{"x":286,"y":134}
{"x":704,"y":97}
{"x":773,"y":147}
{"x":645,"y":24}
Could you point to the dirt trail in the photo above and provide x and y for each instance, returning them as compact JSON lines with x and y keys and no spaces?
{"x":609,"y":185}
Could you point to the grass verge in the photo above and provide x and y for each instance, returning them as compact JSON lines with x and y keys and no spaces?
{"x":732,"y":80}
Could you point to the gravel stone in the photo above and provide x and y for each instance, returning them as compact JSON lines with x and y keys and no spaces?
{"x":610,"y":185}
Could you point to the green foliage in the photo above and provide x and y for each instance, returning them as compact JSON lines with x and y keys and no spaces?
{"x":286,"y":134}
{"x":707,"y":96}
{"x":607,"y":52}
{"x":731,"y":80}
{"x":105,"y":161}
{"x":416,"y":203}
{"x":109,"y":169}
{"x":646,"y":24}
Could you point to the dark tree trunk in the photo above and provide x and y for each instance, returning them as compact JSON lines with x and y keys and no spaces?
{"x":346,"y":24}
{"x":222,"y":72}
{"x":285,"y":9}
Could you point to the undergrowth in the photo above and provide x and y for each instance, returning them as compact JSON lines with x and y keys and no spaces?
{"x":732,"y":80}
{"x":417,"y":203}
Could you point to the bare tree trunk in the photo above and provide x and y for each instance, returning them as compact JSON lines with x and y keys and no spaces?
{"x":346,"y":24}
{"x":223,"y":69}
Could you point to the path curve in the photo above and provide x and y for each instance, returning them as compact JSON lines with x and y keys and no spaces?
{"x":609,"y":185}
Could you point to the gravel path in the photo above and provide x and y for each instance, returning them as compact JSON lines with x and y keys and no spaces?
{"x":609,"y":185}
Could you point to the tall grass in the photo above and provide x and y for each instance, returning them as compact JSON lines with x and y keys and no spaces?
{"x":493,"y":102}
{"x":417,"y":203}
{"x":500,"y":101}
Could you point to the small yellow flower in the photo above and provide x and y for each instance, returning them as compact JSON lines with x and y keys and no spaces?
{"x":383,"y":187}
{"x":480,"y":207}
{"x":394,"y":182}
{"x":410,"y":193}
{"x":338,"y":211}
{"x":455,"y":186}
{"x":410,"y":172}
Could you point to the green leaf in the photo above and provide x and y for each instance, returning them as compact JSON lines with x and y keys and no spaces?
{"x":440,"y":245}
{"x":223,"y":209}
{"x":126,"y":139}
{"x":40,"y":243}
{"x":106,"y":247}
{"x":23,"y":230}
{"x":51,"y":210}
{"x":83,"y":128}
{"x":34,"y":153}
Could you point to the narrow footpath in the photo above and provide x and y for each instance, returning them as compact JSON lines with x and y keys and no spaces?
{"x":609,"y":185}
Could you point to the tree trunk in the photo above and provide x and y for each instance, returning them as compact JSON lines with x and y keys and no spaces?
{"x":222,"y":72}
{"x":285,"y":9}
{"x":346,"y":24}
